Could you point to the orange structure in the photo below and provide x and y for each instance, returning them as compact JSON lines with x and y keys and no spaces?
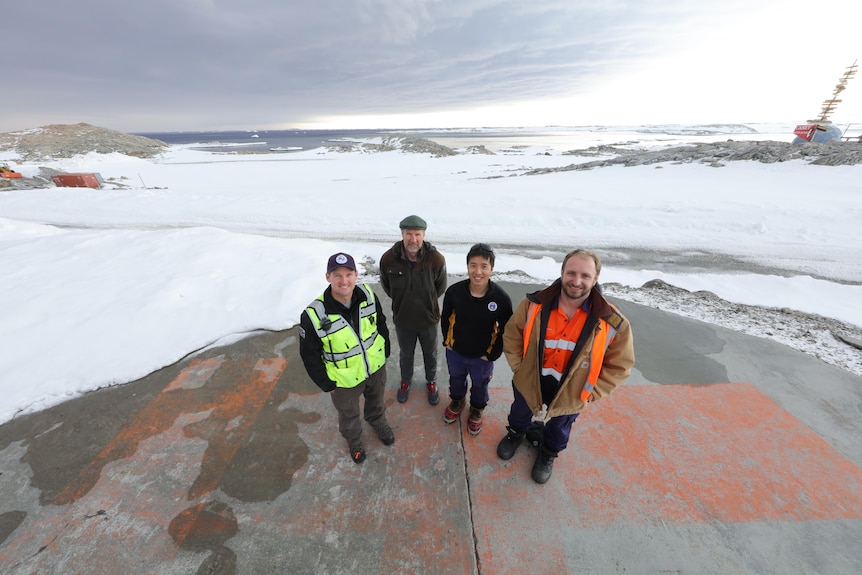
{"x":93,"y":180}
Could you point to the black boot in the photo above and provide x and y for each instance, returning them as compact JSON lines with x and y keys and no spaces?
{"x":544,"y":464}
{"x":509,"y":444}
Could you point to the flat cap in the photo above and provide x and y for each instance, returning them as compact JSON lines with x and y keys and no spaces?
{"x":413,"y":223}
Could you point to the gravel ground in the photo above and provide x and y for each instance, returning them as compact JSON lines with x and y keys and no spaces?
{"x":836,"y":343}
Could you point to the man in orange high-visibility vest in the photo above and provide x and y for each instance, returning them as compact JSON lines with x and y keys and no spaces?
{"x":567,"y":346}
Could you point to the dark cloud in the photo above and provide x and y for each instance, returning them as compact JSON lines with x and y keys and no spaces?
{"x":202,"y":64}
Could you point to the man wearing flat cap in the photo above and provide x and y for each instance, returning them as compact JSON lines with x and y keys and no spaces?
{"x":344,"y":343}
{"x":413,"y":274}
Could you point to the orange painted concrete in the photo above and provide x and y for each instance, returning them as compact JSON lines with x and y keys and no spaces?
{"x":703,"y":453}
{"x":240,"y":404}
{"x":234,"y":414}
{"x":145,"y":472}
{"x":155,"y":418}
{"x":677,"y":454}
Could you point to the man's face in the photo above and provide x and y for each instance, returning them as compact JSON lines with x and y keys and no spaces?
{"x":479,"y":271}
{"x":579,"y":277}
{"x":413,"y":240}
{"x":342,"y":280}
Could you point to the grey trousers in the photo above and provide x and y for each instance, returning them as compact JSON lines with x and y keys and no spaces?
{"x":427,"y":341}
{"x":346,"y":402}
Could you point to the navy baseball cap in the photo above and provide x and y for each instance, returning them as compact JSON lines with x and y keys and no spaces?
{"x":340,"y":260}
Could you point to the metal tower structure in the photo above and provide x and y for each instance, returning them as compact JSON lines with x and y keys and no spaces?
{"x":830,"y":104}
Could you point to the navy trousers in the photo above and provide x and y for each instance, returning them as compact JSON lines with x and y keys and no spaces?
{"x":557,"y":429}
{"x":480,"y":372}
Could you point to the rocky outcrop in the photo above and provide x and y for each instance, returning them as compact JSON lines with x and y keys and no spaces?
{"x":67,"y":140}
{"x":718,"y":154}
{"x":405,"y":143}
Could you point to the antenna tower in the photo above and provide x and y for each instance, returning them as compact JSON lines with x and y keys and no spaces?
{"x":829,"y":105}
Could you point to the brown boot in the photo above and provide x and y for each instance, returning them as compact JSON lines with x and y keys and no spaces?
{"x":474,"y":423}
{"x":453,"y":411}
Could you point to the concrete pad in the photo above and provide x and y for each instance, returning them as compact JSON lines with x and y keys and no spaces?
{"x":406,"y":509}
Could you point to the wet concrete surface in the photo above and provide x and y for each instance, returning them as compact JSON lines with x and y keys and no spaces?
{"x":723,"y":453}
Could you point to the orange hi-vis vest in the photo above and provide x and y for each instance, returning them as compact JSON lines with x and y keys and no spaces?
{"x":604,"y":335}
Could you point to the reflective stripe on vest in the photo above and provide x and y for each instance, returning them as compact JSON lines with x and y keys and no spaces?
{"x":350,"y":357}
{"x":567,"y":333}
{"x":562,"y":344}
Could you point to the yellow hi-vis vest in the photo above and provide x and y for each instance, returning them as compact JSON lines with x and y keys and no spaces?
{"x":349,"y":358}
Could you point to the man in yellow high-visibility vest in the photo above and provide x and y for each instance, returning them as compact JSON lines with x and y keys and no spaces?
{"x":344,"y":343}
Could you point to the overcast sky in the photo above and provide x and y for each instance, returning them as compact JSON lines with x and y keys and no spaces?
{"x":165,"y":65}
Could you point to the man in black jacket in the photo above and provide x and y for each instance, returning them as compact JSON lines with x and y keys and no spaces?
{"x":475,"y":312}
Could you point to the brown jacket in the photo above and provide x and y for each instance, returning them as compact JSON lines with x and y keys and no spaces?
{"x":616,"y":366}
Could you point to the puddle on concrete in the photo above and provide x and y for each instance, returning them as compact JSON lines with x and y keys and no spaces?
{"x":9,"y":522}
{"x":206,"y":527}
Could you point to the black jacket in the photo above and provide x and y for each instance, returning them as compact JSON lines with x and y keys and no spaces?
{"x":474,"y":326}
{"x":416,"y":290}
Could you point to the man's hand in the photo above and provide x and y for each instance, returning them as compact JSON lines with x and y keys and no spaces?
{"x":329,"y":387}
